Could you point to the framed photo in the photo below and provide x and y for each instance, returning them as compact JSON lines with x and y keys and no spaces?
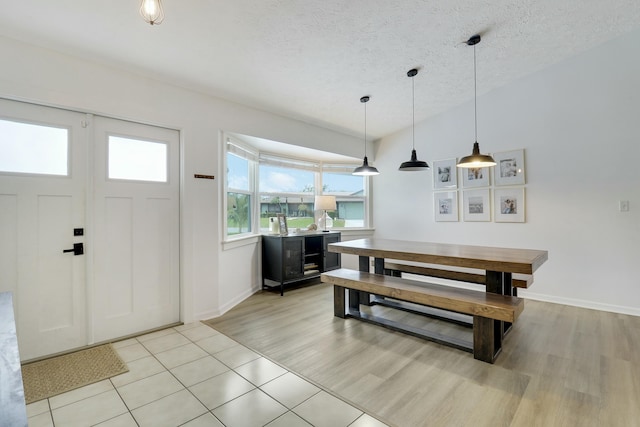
{"x":476,"y":205}
{"x":445,"y":174}
{"x":509,"y":168}
{"x":475,"y":177}
{"x":509,"y":204}
{"x":445,"y":204}
{"x":282,"y":222}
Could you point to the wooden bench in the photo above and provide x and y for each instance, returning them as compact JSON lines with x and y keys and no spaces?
{"x":488,"y":310}
{"x":394,"y":269}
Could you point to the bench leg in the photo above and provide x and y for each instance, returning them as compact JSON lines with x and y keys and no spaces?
{"x":354,"y":300}
{"x":363,"y":265}
{"x":338,"y":302}
{"x":487,"y":339}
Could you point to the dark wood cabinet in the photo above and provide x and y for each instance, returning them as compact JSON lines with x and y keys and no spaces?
{"x":291,"y":259}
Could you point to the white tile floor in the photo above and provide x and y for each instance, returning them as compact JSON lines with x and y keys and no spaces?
{"x":194,"y":376}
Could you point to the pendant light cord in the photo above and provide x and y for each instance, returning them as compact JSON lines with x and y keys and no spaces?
{"x":365,"y":129}
{"x":413,"y":118}
{"x":475,"y":93}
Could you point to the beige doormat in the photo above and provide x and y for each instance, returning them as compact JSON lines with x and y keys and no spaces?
{"x":57,"y":375}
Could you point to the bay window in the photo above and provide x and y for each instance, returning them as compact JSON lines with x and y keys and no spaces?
{"x":262,"y":185}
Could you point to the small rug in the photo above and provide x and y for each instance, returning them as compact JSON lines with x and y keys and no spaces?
{"x":57,"y":375}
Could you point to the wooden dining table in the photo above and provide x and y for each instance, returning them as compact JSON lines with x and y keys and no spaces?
{"x":499,"y":263}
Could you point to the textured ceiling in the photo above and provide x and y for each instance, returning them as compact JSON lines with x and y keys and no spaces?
{"x":313,"y":60}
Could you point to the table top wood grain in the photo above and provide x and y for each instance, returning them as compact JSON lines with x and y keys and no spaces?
{"x":510,"y":260}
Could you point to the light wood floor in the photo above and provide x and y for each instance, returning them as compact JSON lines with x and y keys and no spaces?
{"x":560,"y":366}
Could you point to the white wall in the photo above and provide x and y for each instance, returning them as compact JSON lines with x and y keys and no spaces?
{"x":213,"y":278}
{"x":579,"y":123}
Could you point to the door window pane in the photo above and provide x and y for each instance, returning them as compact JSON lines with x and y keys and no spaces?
{"x":137,"y":160}
{"x":29,"y":148}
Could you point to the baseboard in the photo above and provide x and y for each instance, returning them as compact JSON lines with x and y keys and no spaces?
{"x":632,"y":311}
{"x":228,"y":306}
{"x":525,"y":293}
{"x":205,"y":315}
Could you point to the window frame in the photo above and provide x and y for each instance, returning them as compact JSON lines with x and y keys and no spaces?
{"x":274,"y":159}
{"x":365,"y":198}
{"x":251,"y":179}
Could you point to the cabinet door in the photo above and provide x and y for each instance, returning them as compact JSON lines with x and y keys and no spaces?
{"x":293,"y":257}
{"x":331,"y":259}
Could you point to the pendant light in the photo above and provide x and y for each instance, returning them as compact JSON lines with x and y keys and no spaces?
{"x":475,"y":160}
{"x":365,"y":169}
{"x":414,"y":164}
{"x":151,"y":11}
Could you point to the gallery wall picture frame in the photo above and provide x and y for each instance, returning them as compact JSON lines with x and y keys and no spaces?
{"x":475,"y":177}
{"x":445,"y":174}
{"x":509,"y":204}
{"x":509,"y":169}
{"x":445,"y":204}
{"x":282,"y":222}
{"x":476,"y":205}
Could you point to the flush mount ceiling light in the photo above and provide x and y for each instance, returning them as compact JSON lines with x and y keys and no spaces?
{"x":151,"y":11}
{"x":475,"y":160}
{"x":414,"y":164}
{"x":365,"y":169}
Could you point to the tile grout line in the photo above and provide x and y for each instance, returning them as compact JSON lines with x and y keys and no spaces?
{"x":177,"y":379}
{"x":256,"y":387}
{"x":321,"y":387}
{"x":136,"y":341}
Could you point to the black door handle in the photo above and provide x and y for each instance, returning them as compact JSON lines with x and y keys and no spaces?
{"x":78,"y":249}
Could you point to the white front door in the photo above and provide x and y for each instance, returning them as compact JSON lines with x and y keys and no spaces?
{"x":136,"y":222}
{"x":42,"y":201}
{"x":113,"y":186}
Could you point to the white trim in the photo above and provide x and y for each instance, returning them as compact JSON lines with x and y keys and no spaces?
{"x":352,"y":234}
{"x":245,"y":240}
{"x":240,"y":149}
{"x":632,"y":311}
{"x":526,"y":294}
{"x":226,"y":307}
{"x":205,"y":315}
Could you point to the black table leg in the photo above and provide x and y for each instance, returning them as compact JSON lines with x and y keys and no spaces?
{"x":489,"y":332}
{"x":378,"y":265}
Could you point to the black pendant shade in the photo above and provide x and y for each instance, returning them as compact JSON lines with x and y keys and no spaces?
{"x":475,"y":160}
{"x":414,"y":164}
{"x":365,"y":169}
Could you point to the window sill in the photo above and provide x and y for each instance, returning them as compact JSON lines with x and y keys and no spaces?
{"x":237,"y":242}
{"x":360,"y":233}
{"x":252,"y":239}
